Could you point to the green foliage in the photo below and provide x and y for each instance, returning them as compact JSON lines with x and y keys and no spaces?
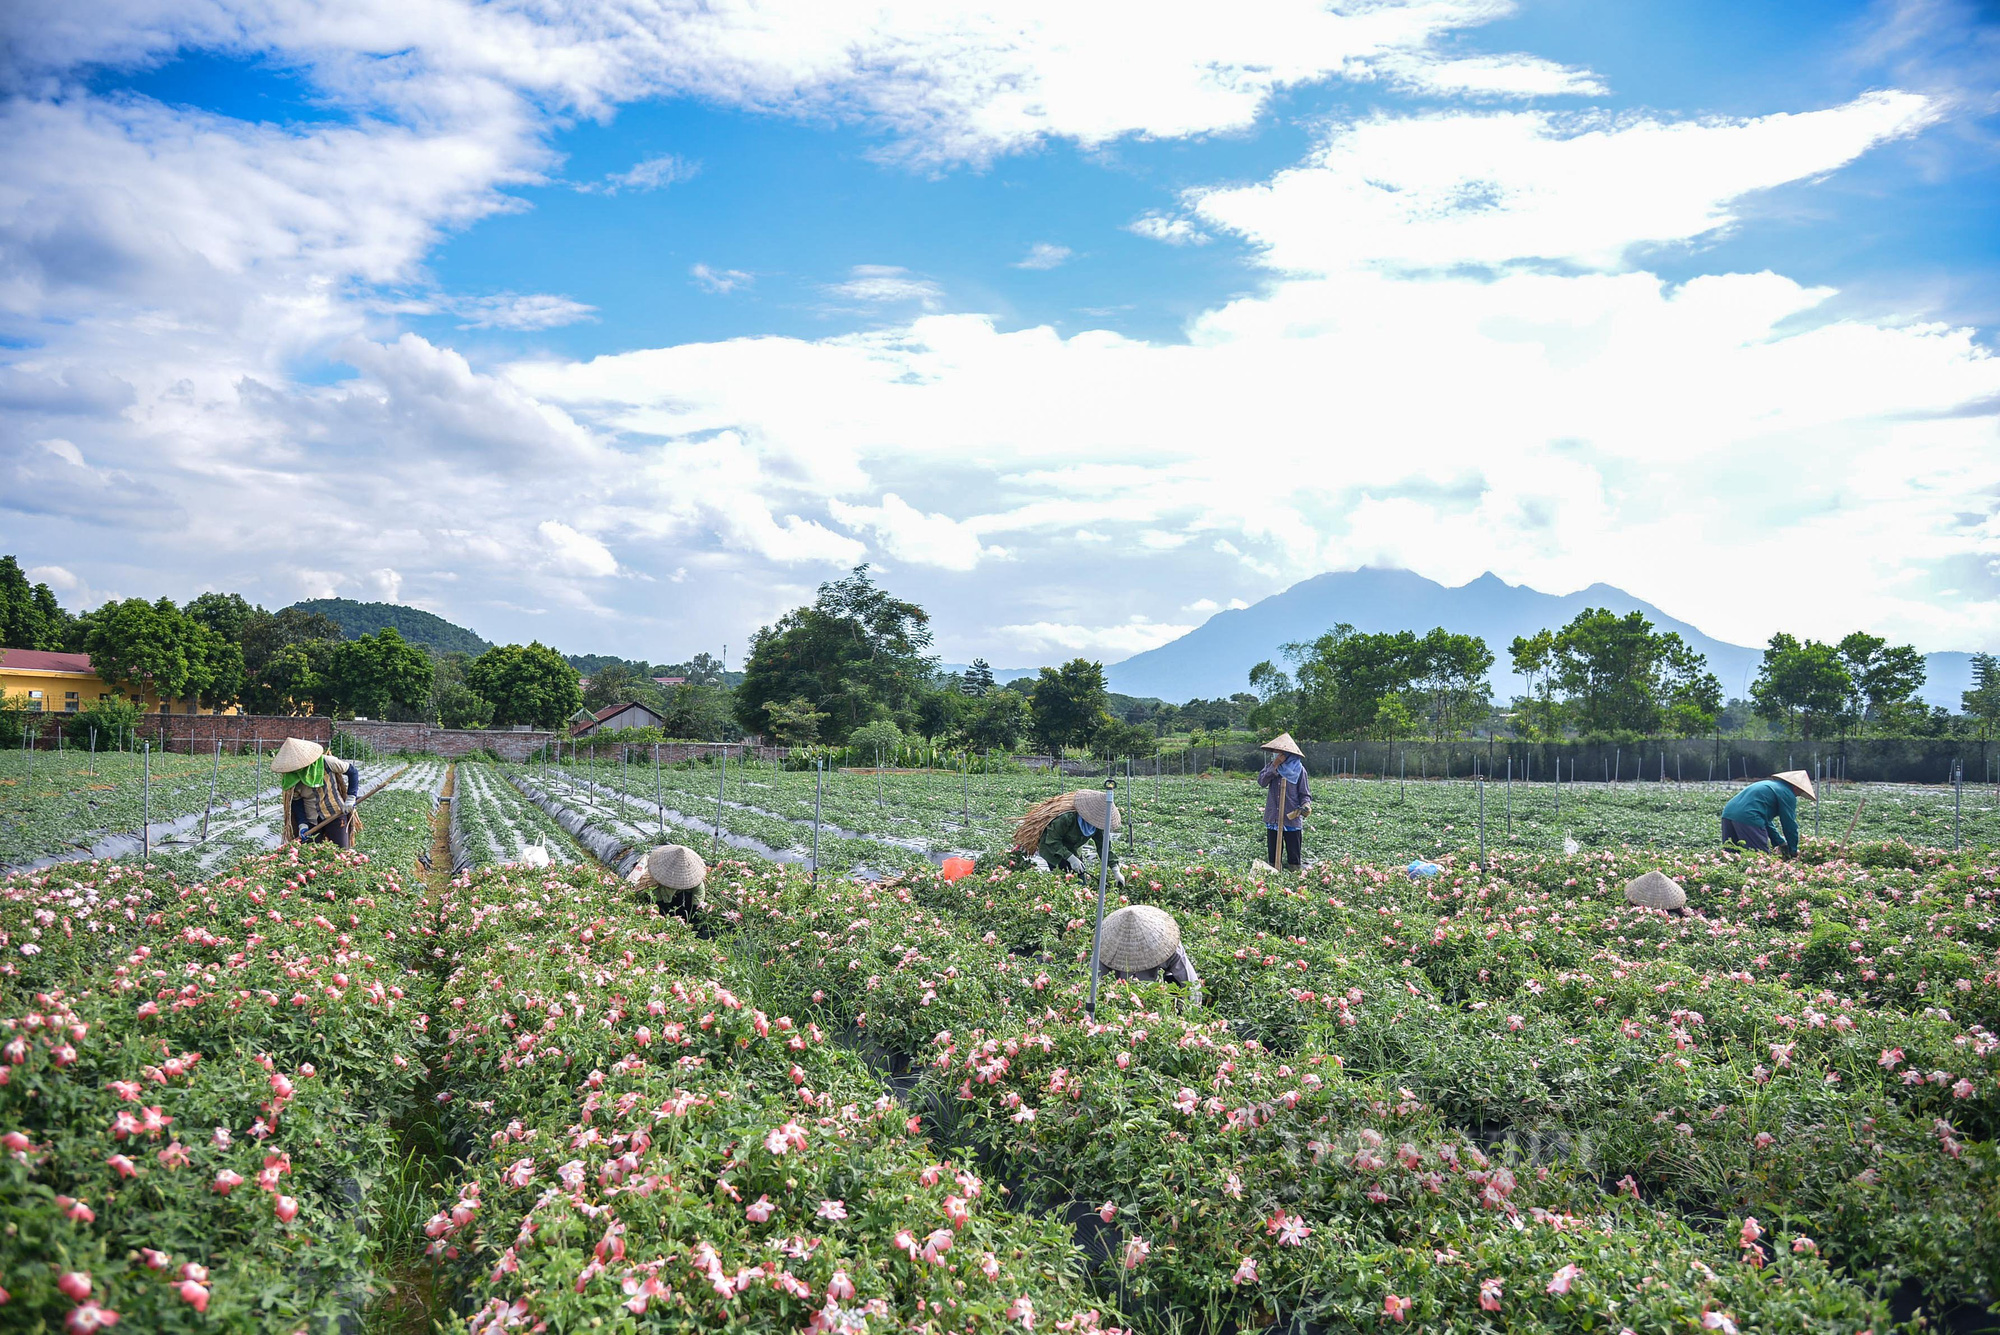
{"x":1067,"y":706}
{"x":856,"y":652}
{"x":526,"y":684}
{"x":380,"y":675}
{"x":881,"y":739}
{"x":794,"y":724}
{"x":1885,"y":680}
{"x":940,"y":713}
{"x":1982,"y":702}
{"x":142,"y":646}
{"x":30,"y":617}
{"x":997,"y":722}
{"x":356,"y":619}
{"x":111,"y":720}
{"x":978,"y":681}
{"x":1618,"y":675}
{"x":459,"y":706}
{"x":1802,"y":685}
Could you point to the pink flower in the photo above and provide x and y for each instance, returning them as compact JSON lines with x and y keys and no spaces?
{"x":1107,"y":1212}
{"x":90,"y":1316}
{"x":195,"y":1271}
{"x":194,"y":1295}
{"x":1750,"y":1232}
{"x":790,"y":1136}
{"x":1718,"y":1321}
{"x":1023,"y":1311}
{"x":155,"y":1260}
{"x":989,"y":1265}
{"x":1396,"y":1309}
{"x":1137,"y":1249}
{"x":1763,"y":1140}
{"x":1489,"y":1294}
{"x":1232,"y":1187}
{"x":74,"y":1284}
{"x":125,"y":1167}
{"x":840,"y":1286}
{"x":221,"y":1139}
{"x":174,"y":1155}
{"x":288,"y":1209}
{"x":1890,"y":1058}
{"x":1565,"y":1277}
{"x":758,"y":1210}
{"x":520,"y":1173}
{"x":832,"y":1210}
{"x":1246,"y":1271}
{"x":1804,"y":1246}
{"x":228,"y":1180}
{"x":1963,"y":1089}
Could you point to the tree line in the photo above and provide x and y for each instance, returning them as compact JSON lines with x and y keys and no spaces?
{"x":220,"y":650}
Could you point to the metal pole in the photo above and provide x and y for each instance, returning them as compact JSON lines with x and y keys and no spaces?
{"x":819,"y":791}
{"x":878,"y":774}
{"x":1130,"y":828}
{"x":257,"y":792}
{"x":1957,"y":799}
{"x":1103,"y":877}
{"x":146,"y":827}
{"x":721,"y":777}
{"x":964,"y":788}
{"x":659,"y":800}
{"x":212,"y":778}
{"x":1481,"y":781}
{"x":1510,"y":797}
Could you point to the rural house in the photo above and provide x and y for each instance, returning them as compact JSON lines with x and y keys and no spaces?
{"x":617,"y":718}
{"x":52,"y":683}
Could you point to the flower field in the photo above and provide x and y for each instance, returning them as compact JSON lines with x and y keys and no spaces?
{"x":320,"y":1087}
{"x":495,"y":824}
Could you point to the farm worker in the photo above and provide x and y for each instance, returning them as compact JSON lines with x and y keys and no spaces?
{"x":675,"y":873}
{"x":1287,"y":799}
{"x":313,"y":782}
{"x":1753,"y":816}
{"x":1144,"y":943}
{"x":1056,"y":831}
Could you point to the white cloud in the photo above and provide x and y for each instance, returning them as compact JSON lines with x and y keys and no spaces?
{"x":1475,"y":188}
{"x":887,"y":284}
{"x":576,"y":553}
{"x":508,"y":310}
{"x":650,"y":174}
{"x":908,"y":534}
{"x":1203,"y":605}
{"x":1175,"y":231}
{"x":1120,"y":639}
{"x":1044,"y":255}
{"x":1513,"y":76}
{"x":719,"y":281}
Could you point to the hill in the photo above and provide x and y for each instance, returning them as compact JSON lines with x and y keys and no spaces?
{"x":1215,"y":657}
{"x":413,"y":624}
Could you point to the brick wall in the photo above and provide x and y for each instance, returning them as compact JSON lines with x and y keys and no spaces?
{"x":445,"y":741}
{"x":200,"y":732}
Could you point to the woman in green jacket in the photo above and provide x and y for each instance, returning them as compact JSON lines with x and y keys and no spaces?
{"x":1767,"y":813}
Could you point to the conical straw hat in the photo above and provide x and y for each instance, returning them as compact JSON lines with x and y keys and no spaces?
{"x":1283,"y":742}
{"x":1800,"y":781}
{"x":1138,"y":936}
{"x":1090,"y":804}
{"x":676,"y":867}
{"x":1655,"y":890}
{"x":295,"y":754}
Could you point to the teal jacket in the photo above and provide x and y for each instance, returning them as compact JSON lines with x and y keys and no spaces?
{"x":1768,"y":803}
{"x":1064,"y":838}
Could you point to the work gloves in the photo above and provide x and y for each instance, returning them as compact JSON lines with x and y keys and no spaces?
{"x":1075,"y":864}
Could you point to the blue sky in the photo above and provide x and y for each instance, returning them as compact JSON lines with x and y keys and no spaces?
{"x":625,"y":332}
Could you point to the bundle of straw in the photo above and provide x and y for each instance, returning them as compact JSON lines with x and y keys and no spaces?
{"x":1028,"y":834}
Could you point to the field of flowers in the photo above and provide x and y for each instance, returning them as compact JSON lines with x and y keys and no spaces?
{"x":902,"y":820}
{"x":321,"y":1088}
{"x":494,"y":824}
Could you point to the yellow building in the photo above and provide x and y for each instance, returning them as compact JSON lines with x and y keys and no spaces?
{"x":49,"y":683}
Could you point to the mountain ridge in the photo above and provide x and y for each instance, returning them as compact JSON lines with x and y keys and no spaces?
{"x":1215,"y":657}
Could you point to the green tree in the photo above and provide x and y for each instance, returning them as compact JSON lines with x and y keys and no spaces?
{"x":998,"y":721}
{"x":227,"y":614}
{"x":1344,"y":675}
{"x":1617,"y":674}
{"x":1982,"y":702}
{"x":30,"y":616}
{"x":795,"y":723}
{"x":939,"y":713}
{"x":878,"y":741}
{"x":144,"y":646}
{"x":1067,"y":705}
{"x":381,"y":675}
{"x":698,"y":713}
{"x":1885,"y":679}
{"x":293,"y":680}
{"x":1803,"y":686}
{"x":459,"y":706}
{"x":1448,"y":677}
{"x":856,"y":652}
{"x":620,"y":683}
{"x":1118,"y":740}
{"x":978,"y":679}
{"x":526,"y":684}
{"x":1534,"y":657}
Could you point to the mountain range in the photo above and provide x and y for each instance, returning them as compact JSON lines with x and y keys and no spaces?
{"x":1215,"y":657}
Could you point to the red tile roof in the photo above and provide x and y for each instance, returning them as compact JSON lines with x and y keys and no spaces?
{"x":37,"y":660}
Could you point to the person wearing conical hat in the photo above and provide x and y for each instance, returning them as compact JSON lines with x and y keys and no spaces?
{"x":1766,"y":813}
{"x":313,"y":784}
{"x":1056,"y":831}
{"x":675,"y":874}
{"x":1287,"y":796}
{"x":1143,"y":943}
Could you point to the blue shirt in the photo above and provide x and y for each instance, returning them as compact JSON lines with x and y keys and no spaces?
{"x":1768,"y":804}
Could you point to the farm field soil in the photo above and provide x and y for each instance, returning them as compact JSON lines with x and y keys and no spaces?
{"x":1497,"y":1099}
